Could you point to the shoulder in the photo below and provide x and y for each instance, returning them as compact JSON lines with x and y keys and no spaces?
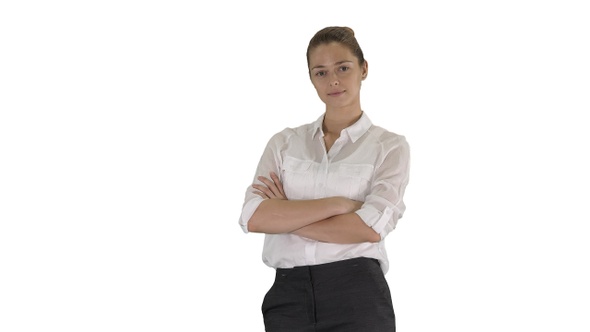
{"x":298,"y":131}
{"x":290,"y":133}
{"x":388,"y":138}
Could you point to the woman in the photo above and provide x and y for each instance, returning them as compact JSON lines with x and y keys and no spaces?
{"x":326,"y":194}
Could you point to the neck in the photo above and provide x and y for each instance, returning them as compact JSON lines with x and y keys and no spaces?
{"x":336,"y":120}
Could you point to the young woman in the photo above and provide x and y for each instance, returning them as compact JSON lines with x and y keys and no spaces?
{"x":326,"y":194}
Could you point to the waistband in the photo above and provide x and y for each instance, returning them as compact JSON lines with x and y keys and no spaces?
{"x":329,"y":269}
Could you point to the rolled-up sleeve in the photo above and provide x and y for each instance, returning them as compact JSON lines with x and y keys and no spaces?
{"x":269,"y":162}
{"x":384,"y":205}
{"x":250,"y":205}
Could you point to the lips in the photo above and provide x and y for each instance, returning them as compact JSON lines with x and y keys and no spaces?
{"x":335,"y":93}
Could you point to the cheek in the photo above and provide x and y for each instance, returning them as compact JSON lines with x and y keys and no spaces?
{"x":317,"y":86}
{"x":316,"y":82}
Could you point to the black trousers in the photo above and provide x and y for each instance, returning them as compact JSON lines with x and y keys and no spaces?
{"x":350,"y":295}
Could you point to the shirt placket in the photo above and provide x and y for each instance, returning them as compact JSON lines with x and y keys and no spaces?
{"x":320,"y":189}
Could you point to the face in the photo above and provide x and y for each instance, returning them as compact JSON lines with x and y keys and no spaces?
{"x":336,"y":75}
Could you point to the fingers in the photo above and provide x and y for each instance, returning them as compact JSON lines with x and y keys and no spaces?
{"x":278,"y":183}
{"x":273,"y":190}
{"x":270,"y":188}
{"x":262,"y":191}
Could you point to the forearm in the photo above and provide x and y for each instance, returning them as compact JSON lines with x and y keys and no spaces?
{"x":275,"y":216}
{"x":345,"y":229}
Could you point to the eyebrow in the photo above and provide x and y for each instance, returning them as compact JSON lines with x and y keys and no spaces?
{"x":336,"y":64}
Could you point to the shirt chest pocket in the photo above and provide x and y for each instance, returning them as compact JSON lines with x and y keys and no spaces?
{"x":352,"y":180}
{"x":298,"y":178}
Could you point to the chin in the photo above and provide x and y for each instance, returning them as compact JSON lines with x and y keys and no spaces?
{"x":339,"y":104}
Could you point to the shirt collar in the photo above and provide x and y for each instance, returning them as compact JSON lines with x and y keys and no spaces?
{"x":354,"y":131}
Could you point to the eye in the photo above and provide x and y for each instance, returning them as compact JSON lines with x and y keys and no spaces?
{"x":320,"y":73}
{"x":344,"y":68}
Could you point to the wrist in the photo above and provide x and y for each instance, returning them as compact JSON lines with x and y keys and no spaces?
{"x":342,"y":205}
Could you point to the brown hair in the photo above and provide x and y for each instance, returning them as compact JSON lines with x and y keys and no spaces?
{"x":342,"y":35}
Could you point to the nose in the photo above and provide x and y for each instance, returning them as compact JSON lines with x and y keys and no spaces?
{"x":334,"y":80}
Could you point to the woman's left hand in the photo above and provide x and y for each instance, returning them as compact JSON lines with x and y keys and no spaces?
{"x":271,"y":188}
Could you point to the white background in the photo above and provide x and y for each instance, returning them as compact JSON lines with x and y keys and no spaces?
{"x":130,"y":130}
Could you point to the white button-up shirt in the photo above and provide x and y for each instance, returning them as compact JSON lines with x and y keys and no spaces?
{"x":366,"y":163}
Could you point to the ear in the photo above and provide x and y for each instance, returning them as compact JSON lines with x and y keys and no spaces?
{"x":365,"y":70}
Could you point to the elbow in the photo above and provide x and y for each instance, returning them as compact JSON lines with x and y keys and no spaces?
{"x":253,"y":226}
{"x":374,"y":237}
{"x":257,"y":225}
{"x":260,"y":226}
{"x":256,"y":221}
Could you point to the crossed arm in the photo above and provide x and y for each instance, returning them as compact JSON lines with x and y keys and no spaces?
{"x":330,"y":219}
